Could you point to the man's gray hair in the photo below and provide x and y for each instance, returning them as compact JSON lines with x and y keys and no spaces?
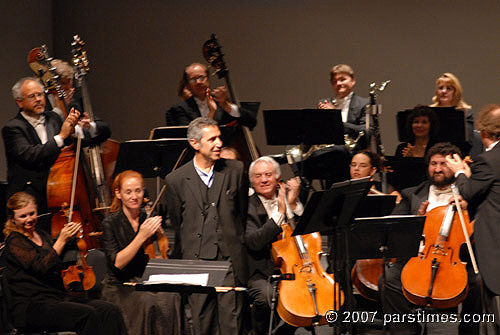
{"x":16,"y":89}
{"x":195,"y":128}
{"x":266,"y":159}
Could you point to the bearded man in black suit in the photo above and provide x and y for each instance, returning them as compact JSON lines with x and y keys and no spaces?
{"x":207,"y":202}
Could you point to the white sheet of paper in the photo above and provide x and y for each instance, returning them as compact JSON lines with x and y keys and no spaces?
{"x":184,"y":279}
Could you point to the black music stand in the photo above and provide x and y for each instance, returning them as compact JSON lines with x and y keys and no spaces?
{"x":171,"y":132}
{"x":216,"y":270}
{"x":331,"y":212}
{"x":406,"y":171}
{"x":451,"y":125}
{"x":152,"y":158}
{"x":307,"y":127}
{"x":304,"y":126}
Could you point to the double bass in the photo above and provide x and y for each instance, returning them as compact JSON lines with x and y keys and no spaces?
{"x":241,"y":139}
{"x":66,"y":182}
{"x":102,"y":158}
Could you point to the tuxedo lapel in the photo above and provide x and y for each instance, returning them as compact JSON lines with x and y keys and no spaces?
{"x":193,"y":108}
{"x":30,"y":131}
{"x":50,"y":127}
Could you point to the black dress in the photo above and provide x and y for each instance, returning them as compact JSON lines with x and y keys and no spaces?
{"x":39,"y":300}
{"x":145,"y":313}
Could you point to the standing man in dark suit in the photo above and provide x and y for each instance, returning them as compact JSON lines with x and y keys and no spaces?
{"x":213,"y":104}
{"x":266,"y":213}
{"x":353,"y":107}
{"x":207,"y":202}
{"x":480,"y":186}
{"x":33,"y":141}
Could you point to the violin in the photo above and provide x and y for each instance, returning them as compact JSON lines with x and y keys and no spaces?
{"x":156,"y":246}
{"x":311,"y":292}
{"x":437,"y":277}
{"x":80,"y":277}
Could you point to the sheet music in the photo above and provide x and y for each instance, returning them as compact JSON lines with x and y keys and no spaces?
{"x":200,"y":279}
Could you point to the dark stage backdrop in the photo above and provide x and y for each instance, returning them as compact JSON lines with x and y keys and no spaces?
{"x":279,"y":52}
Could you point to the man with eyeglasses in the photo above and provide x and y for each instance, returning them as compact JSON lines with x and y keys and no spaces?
{"x":213,"y":104}
{"x":33,"y":140}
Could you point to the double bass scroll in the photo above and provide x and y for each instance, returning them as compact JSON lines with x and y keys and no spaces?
{"x":242,"y":140}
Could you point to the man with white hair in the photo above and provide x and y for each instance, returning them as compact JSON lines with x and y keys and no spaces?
{"x":267,"y":210}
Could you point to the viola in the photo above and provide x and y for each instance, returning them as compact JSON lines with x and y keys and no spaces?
{"x":437,"y":277}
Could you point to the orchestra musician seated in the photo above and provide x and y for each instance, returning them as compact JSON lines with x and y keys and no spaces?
{"x":367,"y":164}
{"x":125,"y":232}
{"x":422,"y":127}
{"x":353,"y":107}
{"x":266,"y":213}
{"x":214,"y":104}
{"x":33,"y":272}
{"x":419,"y":200}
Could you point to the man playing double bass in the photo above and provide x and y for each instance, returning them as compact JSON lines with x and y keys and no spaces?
{"x":33,"y":141}
{"x":266,"y":212}
{"x":419,"y":200}
{"x":213,"y":104}
{"x":480,"y":186}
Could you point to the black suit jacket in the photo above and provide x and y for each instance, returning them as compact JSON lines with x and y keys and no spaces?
{"x":412,"y":199}
{"x":226,"y":213}
{"x":186,"y":111}
{"x":482,"y":189}
{"x":28,"y":160}
{"x":260,"y":233}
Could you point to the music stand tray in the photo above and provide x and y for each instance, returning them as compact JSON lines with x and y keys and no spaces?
{"x":216,"y":270}
{"x":152,"y":158}
{"x":304,"y":126}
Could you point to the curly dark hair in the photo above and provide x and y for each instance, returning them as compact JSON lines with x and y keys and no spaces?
{"x":421,"y":110}
{"x":444,"y":149}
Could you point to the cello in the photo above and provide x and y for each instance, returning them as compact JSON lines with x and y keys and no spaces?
{"x":311,"y":292}
{"x":437,"y":277}
{"x":60,"y":182}
{"x":241,"y":139}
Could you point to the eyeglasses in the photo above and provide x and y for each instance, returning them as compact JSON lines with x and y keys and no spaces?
{"x":196,"y":79}
{"x":35,"y":96}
